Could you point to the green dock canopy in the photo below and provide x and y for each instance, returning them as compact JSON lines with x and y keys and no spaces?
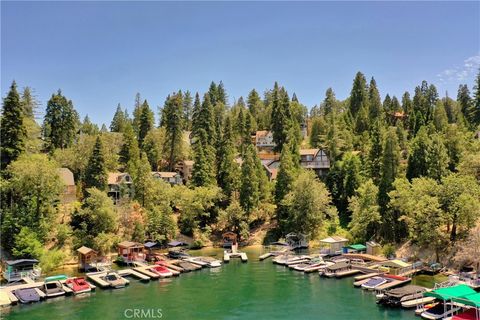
{"x":358,"y":247}
{"x":449,"y":293}
{"x":471,"y":300}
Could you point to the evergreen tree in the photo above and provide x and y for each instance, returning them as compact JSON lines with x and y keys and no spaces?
{"x":409,"y":112}
{"x":329,"y":104}
{"x":119,"y":121}
{"x":465,"y":101}
{"x":249,"y":189}
{"x":204,"y":156}
{"x":60,"y":123}
{"x":222,"y":94}
{"x":146,"y":122}
{"x":418,"y":160}
{"x":173,"y":114}
{"x":206,"y":121}
{"x":351,"y":166}
{"x":286,"y":173}
{"x":440,"y":120}
{"x":95,"y":172}
{"x":137,"y":111}
{"x":375,"y":152}
{"x":281,"y":117}
{"x":13,"y":132}
{"x":358,"y":95}
{"x":375,"y":104}
{"x":29,"y":103}
{"x":437,"y":158}
{"x":254,"y":103}
{"x":475,"y":113}
{"x":316,"y":132}
{"x":142,"y":181}
{"x":129,"y":152}
{"x":87,"y":127}
{"x":213,"y":93}
{"x":197,"y":108}
{"x":187,"y":110}
{"x":390,"y":164}
{"x":228,"y":173}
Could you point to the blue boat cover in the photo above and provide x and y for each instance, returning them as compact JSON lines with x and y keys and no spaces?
{"x":176,"y":243}
{"x":150,"y":244}
{"x":375,"y":281}
{"x":27,"y":295}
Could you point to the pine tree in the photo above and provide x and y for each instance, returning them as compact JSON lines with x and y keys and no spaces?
{"x":228,"y":174}
{"x":222,"y":94}
{"x":213,"y":93}
{"x":286,"y":173}
{"x":418,"y":160}
{"x":329,"y":104}
{"x":206,"y":120}
{"x":87,"y":127}
{"x":118,"y":122}
{"x":409,"y":112}
{"x":196,"y":111}
{"x":281,"y":117}
{"x":173,"y":114}
{"x":146,"y":122}
{"x":316,"y":132}
{"x":29,"y":103}
{"x":375,"y":104}
{"x":437,"y":159}
{"x":142,"y":181}
{"x":465,"y":101}
{"x":137,"y":111}
{"x":204,"y":156}
{"x":351,"y":167}
{"x":249,"y":189}
{"x":375,"y":152}
{"x":13,"y":132}
{"x":240,"y":123}
{"x":253,"y":103}
{"x":390,"y":164}
{"x":475,"y":113}
{"x":358,"y":95}
{"x":60,"y":123}
{"x":187,"y":110}
{"x":129,"y":152}
{"x":440,"y":119}
{"x":95,"y":172}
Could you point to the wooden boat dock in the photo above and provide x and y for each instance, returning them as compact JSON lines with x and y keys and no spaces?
{"x":416,"y":302}
{"x":365,"y":257}
{"x":360,"y":282}
{"x":392,"y":284}
{"x":7,"y":292}
{"x":96,"y":277}
{"x":227,"y":255}
{"x":144,"y":270}
{"x":346,"y":273}
{"x":265,"y":256}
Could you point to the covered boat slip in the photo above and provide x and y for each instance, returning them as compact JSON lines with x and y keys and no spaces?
{"x":459,"y":295}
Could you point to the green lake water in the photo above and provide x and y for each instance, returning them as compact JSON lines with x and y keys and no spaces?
{"x":254,"y":290}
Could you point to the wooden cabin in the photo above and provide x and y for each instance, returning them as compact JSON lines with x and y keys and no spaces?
{"x":69,"y":193}
{"x":130,"y":252}
{"x":296,"y":240}
{"x":333,"y":244}
{"x":174,"y":178}
{"x":17,"y":270}
{"x":397,"y":267}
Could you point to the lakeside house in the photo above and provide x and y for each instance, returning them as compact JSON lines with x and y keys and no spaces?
{"x":89,"y":259}
{"x":316,"y":160}
{"x":174,"y":178}
{"x":18,"y":270}
{"x":185,"y":168}
{"x":374,"y":248}
{"x":69,"y":194}
{"x":119,"y":183}
{"x":333,"y":244}
{"x":264,"y":140}
{"x":396,"y":266}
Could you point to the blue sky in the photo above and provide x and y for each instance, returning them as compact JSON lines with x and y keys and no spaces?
{"x":102,"y":53}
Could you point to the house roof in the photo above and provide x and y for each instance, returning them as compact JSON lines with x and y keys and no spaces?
{"x":358,"y":247}
{"x":262,"y":133}
{"x":334,"y":239}
{"x":150,"y":244}
{"x":176,"y":243}
{"x":188,"y":162}
{"x":129,"y":244}
{"x":116,"y":177}
{"x":373,"y":244}
{"x":273,"y":173}
{"x":165,"y":174}
{"x":84,"y":250}
{"x":21,"y":262}
{"x":307,"y":152}
{"x":396,"y":264}
{"x":339,"y":265}
{"x":67,"y":176}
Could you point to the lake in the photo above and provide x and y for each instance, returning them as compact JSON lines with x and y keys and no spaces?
{"x":254,"y":290}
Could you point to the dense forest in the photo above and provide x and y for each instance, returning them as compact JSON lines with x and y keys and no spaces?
{"x":402,"y":169}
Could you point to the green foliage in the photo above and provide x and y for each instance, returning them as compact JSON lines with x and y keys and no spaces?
{"x":160,"y":226}
{"x":249,"y":188}
{"x":51,"y":260}
{"x":234,"y":219}
{"x":365,"y":212}
{"x":119,"y":120}
{"x":145,"y":123}
{"x":95,"y":173}
{"x":228,"y":175}
{"x":173,"y":122}
{"x":281,"y":116}
{"x":13,"y":131}
{"x":129,"y":153}
{"x":390,"y":164}
{"x":27,"y":244}
{"x":60,"y":123}
{"x":307,"y":205}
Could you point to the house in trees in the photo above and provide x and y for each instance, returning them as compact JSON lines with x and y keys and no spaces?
{"x":316,"y":160}
{"x":333,"y":244}
{"x":170,"y":177}
{"x":185,"y":169}
{"x":69,"y":194}
{"x":119,"y":184}
{"x":264,"y":140}
{"x":130,"y":252}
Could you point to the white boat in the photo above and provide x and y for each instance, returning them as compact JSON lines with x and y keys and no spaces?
{"x":196,"y":260}
{"x":440,"y":311}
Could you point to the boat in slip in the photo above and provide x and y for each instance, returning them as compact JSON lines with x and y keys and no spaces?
{"x":309,"y":266}
{"x":78,"y":285}
{"x":395,"y":297}
{"x":211,"y":262}
{"x":440,"y":311}
{"x":53,"y":287}
{"x":196,"y":260}
{"x":162,"y":271}
{"x":374,"y":282}
{"x":29,"y":295}
{"x":115,"y":280}
{"x":187,"y":266}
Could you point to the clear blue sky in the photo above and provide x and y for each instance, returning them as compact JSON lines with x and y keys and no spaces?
{"x":101,"y":54}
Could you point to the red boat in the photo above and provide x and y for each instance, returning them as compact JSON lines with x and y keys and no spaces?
{"x":162,"y":271}
{"x":78,"y":285}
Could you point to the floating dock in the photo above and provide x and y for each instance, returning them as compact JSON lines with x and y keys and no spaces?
{"x":392,"y":284}
{"x":96,"y":277}
{"x":7,"y":296}
{"x":346,"y":273}
{"x":265,"y":256}
{"x":416,"y":302}
{"x":366,"y":276}
{"x":228,"y":255}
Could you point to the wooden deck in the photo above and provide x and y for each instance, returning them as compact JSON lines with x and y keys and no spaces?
{"x":366,"y":276}
{"x":390,"y":285}
{"x":364,"y":256}
{"x":346,"y":273}
{"x":228,"y":255}
{"x":416,"y":302}
{"x":96,"y":277}
{"x":133,"y":273}
{"x":145,"y":270}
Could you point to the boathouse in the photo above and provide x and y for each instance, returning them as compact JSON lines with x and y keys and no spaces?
{"x":333,"y":244}
{"x":397,"y":266}
{"x":229,"y":239}
{"x":374,"y":248}
{"x":296,"y":241}
{"x":129,"y":252}
{"x":18,"y":270}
